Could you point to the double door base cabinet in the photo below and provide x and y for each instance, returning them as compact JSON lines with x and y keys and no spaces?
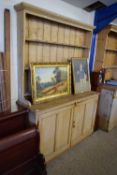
{"x":64,"y":122}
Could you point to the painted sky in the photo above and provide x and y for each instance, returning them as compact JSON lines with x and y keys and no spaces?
{"x":46,"y":73}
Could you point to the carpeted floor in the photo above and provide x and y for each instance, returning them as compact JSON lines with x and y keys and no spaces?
{"x":96,"y":155}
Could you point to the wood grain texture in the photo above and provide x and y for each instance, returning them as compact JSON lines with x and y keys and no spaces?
{"x":106,"y":48}
{"x":62,"y":141}
{"x":46,"y":37}
{"x":64,"y":125}
{"x":107,"y":110}
{"x":52,"y":16}
{"x":47,"y":137}
{"x":77,"y":123}
{"x":21,"y":138}
{"x":5,"y":90}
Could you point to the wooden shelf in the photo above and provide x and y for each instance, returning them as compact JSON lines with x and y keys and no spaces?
{"x":56,"y":43}
{"x":111,"y":50}
{"x":110,"y":67}
{"x":106,"y":48}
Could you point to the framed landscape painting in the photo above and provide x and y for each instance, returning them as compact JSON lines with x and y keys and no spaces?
{"x":50,"y":81}
{"x":81,"y":78}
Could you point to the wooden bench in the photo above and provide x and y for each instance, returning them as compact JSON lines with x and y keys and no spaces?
{"x":19,"y":146}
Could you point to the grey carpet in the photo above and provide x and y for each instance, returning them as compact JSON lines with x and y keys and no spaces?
{"x":96,"y":155}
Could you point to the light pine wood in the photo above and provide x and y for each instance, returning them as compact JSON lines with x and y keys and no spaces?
{"x":77,"y":123}
{"x":83,"y":120}
{"x":65,"y":122}
{"x":72,"y":36}
{"x":59,"y":54}
{"x":32,"y":24}
{"x":47,"y":127}
{"x":62,"y":140}
{"x":66,"y":53}
{"x":54,"y":32}
{"x":89,"y":118}
{"x":61,"y":34}
{"x":47,"y":31}
{"x":32,"y":52}
{"x":40,"y":29}
{"x":106,"y":51}
{"x":51,"y":38}
{"x":43,"y":39}
{"x":52,"y":16}
{"x":26,"y":55}
{"x":39,"y":53}
{"x":53,"y":53}
{"x":46,"y":53}
{"x":67,"y":35}
{"x":52,"y":125}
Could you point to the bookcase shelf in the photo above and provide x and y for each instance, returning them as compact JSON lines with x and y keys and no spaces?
{"x":111,"y":50}
{"x":106,"y":52}
{"x":56,"y":43}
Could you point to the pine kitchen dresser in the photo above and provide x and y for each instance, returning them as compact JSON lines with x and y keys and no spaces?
{"x":45,"y":37}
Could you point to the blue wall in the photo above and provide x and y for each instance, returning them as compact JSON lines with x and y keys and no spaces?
{"x":102,"y":18}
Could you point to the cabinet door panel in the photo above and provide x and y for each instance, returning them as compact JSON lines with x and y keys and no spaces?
{"x":63,"y":130}
{"x":90,"y":111}
{"x":47,"y":136}
{"x":77,"y":124}
{"x":113,"y":115}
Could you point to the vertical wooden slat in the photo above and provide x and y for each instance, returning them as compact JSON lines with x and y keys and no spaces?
{"x":5,"y":91}
{"x":7,"y":59}
{"x":3,"y":95}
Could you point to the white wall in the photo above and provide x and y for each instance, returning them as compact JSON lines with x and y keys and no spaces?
{"x":52,"y":5}
{"x":114,"y":22}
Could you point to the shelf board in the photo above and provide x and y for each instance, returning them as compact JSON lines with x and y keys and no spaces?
{"x":56,"y":43}
{"x":111,"y":50}
{"x":110,"y":67}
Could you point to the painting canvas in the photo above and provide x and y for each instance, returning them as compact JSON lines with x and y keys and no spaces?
{"x":81,"y":78}
{"x":49,"y":81}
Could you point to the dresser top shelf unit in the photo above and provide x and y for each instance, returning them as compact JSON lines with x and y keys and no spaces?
{"x":47,"y":37}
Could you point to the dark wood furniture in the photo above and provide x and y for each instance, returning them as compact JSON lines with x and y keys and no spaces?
{"x":97,"y":79}
{"x":19,"y":146}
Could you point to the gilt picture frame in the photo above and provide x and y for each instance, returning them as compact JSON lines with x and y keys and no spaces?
{"x":81,"y":77}
{"x":49,"y":81}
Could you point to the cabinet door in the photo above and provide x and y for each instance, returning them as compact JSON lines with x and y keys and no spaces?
{"x":77,"y":124}
{"x":63,"y":127}
{"x":47,"y":134}
{"x":113,"y":115}
{"x":89,"y":118}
